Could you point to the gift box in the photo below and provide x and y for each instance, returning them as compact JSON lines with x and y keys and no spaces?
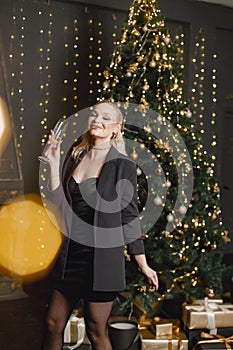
{"x":195,"y":335}
{"x":212,"y":346}
{"x":158,"y":326}
{"x":215,"y":342}
{"x":207,"y":316}
{"x":74,"y":331}
{"x":207,"y":301}
{"x":161,"y":334}
{"x":176,"y":341}
{"x":162,"y":328}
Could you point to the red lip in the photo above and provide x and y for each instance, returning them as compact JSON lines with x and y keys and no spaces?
{"x":95,"y":127}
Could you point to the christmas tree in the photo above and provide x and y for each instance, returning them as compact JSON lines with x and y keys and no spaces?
{"x":185,"y":245}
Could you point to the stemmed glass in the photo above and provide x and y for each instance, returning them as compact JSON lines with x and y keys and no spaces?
{"x":59,"y":131}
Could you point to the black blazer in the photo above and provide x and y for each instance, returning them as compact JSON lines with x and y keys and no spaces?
{"x":116,"y":220}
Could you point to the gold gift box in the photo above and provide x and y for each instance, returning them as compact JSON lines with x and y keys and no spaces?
{"x":196,"y":316}
{"x":176,"y":341}
{"x":157,"y":325}
{"x":161,"y":329}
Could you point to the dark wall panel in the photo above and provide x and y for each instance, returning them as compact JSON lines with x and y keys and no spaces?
{"x":100,"y":20}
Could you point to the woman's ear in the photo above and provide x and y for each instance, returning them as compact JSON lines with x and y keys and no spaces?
{"x":117,"y":129}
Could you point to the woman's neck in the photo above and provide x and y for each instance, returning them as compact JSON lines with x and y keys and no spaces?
{"x":101,"y":145}
{"x":99,"y":150}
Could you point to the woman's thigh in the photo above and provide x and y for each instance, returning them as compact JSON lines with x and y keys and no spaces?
{"x":96,"y":316}
{"x":59,"y":311}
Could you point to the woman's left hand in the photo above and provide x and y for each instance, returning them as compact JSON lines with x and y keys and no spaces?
{"x":151,"y":276}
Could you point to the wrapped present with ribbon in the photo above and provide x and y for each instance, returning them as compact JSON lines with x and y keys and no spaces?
{"x":207,"y":300}
{"x":175,"y":341}
{"x":158,"y":326}
{"x":74,"y":332}
{"x":194,"y":335}
{"x":208,"y":315}
{"x":214,"y":341}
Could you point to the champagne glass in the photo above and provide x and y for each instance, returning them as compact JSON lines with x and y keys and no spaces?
{"x":59,"y":131}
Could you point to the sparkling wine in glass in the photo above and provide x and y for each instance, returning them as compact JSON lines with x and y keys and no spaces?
{"x":59,"y":131}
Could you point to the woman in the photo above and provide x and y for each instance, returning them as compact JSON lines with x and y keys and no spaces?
{"x":99,"y":183}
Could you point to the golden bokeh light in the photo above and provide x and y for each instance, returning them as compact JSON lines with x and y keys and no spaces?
{"x":30,"y":242}
{"x":5,"y":126}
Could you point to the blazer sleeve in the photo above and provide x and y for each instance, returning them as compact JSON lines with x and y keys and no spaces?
{"x":57,"y":204}
{"x":131,"y":225}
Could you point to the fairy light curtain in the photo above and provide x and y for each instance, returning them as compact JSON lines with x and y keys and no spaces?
{"x":59,"y":28}
{"x":70,"y":46}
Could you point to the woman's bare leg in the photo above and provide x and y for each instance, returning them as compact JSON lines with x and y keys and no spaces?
{"x":59,"y":311}
{"x":96,"y":319}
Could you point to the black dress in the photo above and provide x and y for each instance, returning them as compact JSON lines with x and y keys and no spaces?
{"x":78,"y":279}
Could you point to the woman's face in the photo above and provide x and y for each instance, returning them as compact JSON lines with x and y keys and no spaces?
{"x":102,"y":121}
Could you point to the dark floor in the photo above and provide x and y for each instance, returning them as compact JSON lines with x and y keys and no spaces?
{"x":22,"y":317}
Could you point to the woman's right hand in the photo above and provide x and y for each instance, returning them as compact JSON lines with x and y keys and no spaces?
{"x":52,"y":151}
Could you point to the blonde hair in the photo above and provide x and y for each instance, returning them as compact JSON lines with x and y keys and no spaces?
{"x":117,"y":140}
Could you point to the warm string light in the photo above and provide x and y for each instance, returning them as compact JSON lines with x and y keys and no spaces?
{"x":160,"y":61}
{"x":115,"y":27}
{"x":41,"y":71}
{"x":11,"y":52}
{"x":192,"y":237}
{"x":90,"y":57}
{"x":45,"y":72}
{"x":65,"y":98}
{"x":198,"y":86}
{"x":19,"y":18}
{"x":153,"y":57}
{"x":181,"y":279}
{"x":198,"y":106}
{"x":21,"y":74}
{"x":214,"y":100}
{"x":99,"y":55}
{"x":75,"y":64}
{"x":95,"y":50}
{"x":114,"y":36}
{"x":180,"y":44}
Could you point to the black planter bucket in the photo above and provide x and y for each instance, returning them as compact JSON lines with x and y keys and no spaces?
{"x":124,"y":335}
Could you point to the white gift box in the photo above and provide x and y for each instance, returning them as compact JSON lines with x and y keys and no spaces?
{"x":74,"y":332}
{"x":206,"y":301}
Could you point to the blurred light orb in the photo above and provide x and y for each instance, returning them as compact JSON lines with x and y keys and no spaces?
{"x":30,"y":241}
{"x":5,"y":126}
